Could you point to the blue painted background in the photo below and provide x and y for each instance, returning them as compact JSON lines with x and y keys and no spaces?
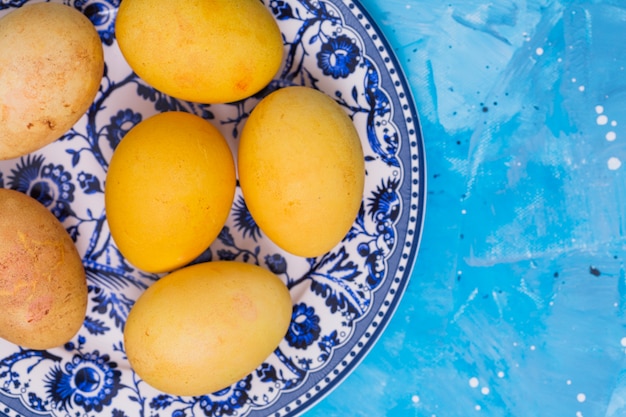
{"x":517,"y":303}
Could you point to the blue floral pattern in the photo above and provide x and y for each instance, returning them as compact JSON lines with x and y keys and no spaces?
{"x":102,"y":15}
{"x":338,"y":57}
{"x":304,"y":328}
{"x":329,"y":45}
{"x":9,"y":4}
{"x":88,"y":381}
{"x":50,"y":184}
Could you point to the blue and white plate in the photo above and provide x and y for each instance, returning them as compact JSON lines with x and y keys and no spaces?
{"x":341,"y":301}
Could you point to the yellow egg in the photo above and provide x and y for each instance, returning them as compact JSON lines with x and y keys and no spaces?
{"x":301,"y":170}
{"x":169,"y":189}
{"x":206,"y":326}
{"x":204,"y":51}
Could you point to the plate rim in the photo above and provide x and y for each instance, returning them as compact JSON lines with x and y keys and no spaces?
{"x":419,"y":224}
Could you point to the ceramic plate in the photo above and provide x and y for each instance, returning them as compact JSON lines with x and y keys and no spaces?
{"x":341,"y":301}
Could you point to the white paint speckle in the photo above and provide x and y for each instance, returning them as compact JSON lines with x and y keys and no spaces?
{"x":613,"y":123}
{"x":573,"y":80}
{"x":581,"y":397}
{"x":568,"y":382}
{"x":500,"y":374}
{"x":623,"y":341}
{"x":485,"y":390}
{"x":533,"y":347}
{"x":463,"y":211}
{"x":473,"y":382}
{"x":477,"y":407}
{"x":599,"y":109}
{"x":614,"y":163}
{"x":415,"y":399}
{"x":579,"y":414}
{"x":539,"y":51}
{"x":611,"y":136}
{"x":581,"y":88}
{"x":602,"y":120}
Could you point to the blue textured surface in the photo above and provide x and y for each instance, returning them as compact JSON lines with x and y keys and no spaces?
{"x":516,"y":304}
